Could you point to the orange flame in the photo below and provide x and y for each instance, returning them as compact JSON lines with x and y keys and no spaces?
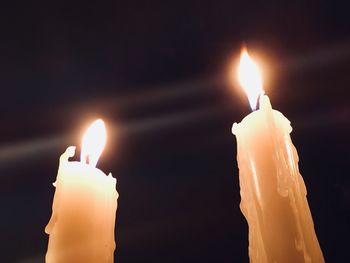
{"x":250,"y":78}
{"x":93,"y":142}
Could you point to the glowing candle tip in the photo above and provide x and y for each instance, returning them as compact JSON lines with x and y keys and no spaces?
{"x":93,"y":142}
{"x":250,"y":78}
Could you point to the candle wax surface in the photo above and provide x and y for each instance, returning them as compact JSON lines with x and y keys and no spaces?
{"x":273,"y":193}
{"x":81,"y":227}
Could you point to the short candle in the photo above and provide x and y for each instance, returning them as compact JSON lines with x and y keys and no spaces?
{"x":81,"y":227}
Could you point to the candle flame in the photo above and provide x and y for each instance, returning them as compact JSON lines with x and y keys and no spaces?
{"x":93,"y":142}
{"x":250,"y":78}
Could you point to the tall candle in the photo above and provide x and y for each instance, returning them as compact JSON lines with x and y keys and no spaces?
{"x":273,"y":193}
{"x":81,"y":227}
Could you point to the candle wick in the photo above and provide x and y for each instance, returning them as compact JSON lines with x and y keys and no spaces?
{"x":87,"y":159}
{"x":259,"y":100}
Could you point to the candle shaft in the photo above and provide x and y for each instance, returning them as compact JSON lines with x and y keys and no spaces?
{"x":273,"y":193}
{"x":81,"y":227}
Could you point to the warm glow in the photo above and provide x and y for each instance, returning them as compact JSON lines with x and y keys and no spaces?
{"x":93,"y":143}
{"x":250,"y":78}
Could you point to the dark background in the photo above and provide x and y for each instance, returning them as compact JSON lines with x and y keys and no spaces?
{"x":157,"y":72}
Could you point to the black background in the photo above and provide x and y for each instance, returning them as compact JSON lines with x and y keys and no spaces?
{"x":158,"y":73}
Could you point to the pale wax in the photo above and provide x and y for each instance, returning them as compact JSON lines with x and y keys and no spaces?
{"x":81,"y":227}
{"x":273,"y":193}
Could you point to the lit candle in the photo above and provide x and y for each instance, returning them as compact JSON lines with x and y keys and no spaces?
{"x":273,"y":193}
{"x":81,"y":227}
